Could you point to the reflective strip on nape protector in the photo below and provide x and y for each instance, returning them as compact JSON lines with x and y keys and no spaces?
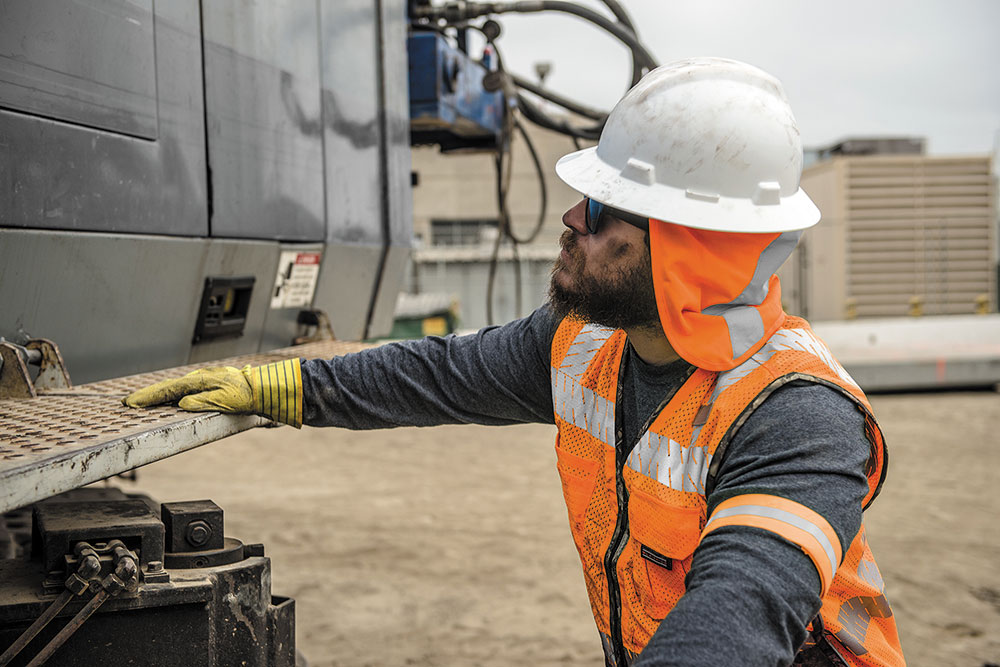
{"x":788,"y":519}
{"x":745,"y":324}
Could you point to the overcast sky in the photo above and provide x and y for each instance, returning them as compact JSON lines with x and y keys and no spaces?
{"x":927,"y":68}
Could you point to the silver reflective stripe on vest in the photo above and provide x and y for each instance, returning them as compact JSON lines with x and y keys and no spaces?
{"x":868,"y":572}
{"x":786,"y":517}
{"x":663,"y":459}
{"x":743,"y":321}
{"x":583,"y":348}
{"x":803,"y":340}
{"x":574,"y":403}
{"x":783,"y":340}
{"x":581,"y":407}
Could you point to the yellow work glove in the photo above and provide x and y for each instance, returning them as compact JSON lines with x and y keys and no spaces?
{"x":273,"y":390}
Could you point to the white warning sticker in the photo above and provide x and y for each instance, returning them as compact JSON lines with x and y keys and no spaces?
{"x":296,"y":280}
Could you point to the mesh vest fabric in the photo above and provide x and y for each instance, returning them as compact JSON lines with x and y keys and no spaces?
{"x":668,"y":474}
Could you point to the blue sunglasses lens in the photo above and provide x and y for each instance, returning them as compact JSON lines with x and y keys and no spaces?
{"x":594,"y":211}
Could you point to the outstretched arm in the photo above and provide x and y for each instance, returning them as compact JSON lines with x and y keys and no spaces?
{"x":499,"y":375}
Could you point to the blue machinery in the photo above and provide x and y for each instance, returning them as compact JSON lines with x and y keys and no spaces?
{"x":448,"y":104}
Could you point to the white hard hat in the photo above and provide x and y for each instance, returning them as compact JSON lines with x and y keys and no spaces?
{"x":707,"y":143}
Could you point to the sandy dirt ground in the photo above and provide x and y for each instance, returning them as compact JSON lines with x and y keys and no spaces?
{"x":450,"y":546}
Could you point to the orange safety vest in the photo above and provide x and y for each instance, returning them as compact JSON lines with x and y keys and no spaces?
{"x":637,"y":516}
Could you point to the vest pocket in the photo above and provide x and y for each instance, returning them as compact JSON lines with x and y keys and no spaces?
{"x":578,"y":476}
{"x":663,"y":538}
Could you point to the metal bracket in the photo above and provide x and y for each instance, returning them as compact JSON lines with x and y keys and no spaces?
{"x":317,"y":326}
{"x":15,"y":380}
{"x":52,"y":372}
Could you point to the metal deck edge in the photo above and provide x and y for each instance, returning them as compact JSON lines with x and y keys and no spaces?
{"x":23,"y":485}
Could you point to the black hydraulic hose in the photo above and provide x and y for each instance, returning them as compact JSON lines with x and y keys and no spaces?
{"x":461,"y":13}
{"x":626,"y":21}
{"x":36,"y":627}
{"x":491,"y":276}
{"x":516,"y":260}
{"x":564,"y":102}
{"x":622,"y":33}
{"x":465,"y":11}
{"x":533,"y":112}
{"x":620,"y":14}
{"x":543,"y":206}
{"x":539,"y":117}
{"x":503,"y":182}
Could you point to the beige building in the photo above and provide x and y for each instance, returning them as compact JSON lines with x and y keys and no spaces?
{"x":900,"y":235}
{"x":455,"y":215}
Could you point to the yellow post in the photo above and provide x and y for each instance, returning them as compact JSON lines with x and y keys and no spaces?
{"x":851,"y":308}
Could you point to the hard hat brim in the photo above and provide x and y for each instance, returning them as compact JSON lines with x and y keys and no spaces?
{"x":588,"y":174}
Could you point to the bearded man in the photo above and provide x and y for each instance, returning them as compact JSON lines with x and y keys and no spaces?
{"x":715,"y":458}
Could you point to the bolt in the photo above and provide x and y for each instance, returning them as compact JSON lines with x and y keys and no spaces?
{"x":198,"y":533}
{"x":154,"y":566}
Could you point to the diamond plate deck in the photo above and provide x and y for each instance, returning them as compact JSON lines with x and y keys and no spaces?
{"x":71,"y":437}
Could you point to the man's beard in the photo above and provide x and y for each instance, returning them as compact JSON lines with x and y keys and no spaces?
{"x":622,"y":300}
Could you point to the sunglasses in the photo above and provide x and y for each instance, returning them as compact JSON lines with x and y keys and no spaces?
{"x":596,"y":211}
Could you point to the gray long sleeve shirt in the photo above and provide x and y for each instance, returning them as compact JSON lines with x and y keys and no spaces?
{"x":750,"y":594}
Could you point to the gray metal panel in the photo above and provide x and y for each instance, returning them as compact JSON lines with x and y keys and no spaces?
{"x":114,"y":304}
{"x":367,"y":163}
{"x":391,"y":284}
{"x":352,"y":128}
{"x":55,"y":175}
{"x":234,"y":258}
{"x":397,"y":125}
{"x":262,"y":98}
{"x":89,"y":62}
{"x":120,"y":304}
{"x":398,"y":204}
{"x":346,"y":279}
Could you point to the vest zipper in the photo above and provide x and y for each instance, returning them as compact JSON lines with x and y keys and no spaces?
{"x":620,"y":537}
{"x":617,"y":544}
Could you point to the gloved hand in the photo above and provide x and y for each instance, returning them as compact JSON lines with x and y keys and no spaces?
{"x":273,"y":390}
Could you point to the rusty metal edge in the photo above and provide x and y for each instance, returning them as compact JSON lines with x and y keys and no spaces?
{"x":28,"y":484}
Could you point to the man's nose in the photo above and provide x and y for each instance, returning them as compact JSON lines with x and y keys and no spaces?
{"x":575,"y":218}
